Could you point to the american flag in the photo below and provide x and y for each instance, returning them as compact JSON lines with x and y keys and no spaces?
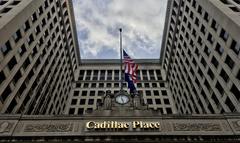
{"x":130,"y":67}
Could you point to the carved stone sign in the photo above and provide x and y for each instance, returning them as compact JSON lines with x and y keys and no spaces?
{"x":57,"y":127}
{"x":236,"y":125}
{"x":196,"y":127}
{"x":5,"y":127}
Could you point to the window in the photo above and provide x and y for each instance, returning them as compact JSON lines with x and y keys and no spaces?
{"x":34,"y":17}
{"x":80,"y":111}
{"x":224,"y":35}
{"x":148,"y":93}
{"x":92,"y":93}
{"x":238,"y":75}
{"x":101,"y":85}
{"x":89,"y":110}
{"x":219,"y":88}
{"x":22,"y":50}
{"x":101,"y":93}
{"x":210,"y":73}
{"x":146,"y":85}
{"x":214,"y":62}
{"x":166,"y":101}
{"x":6,"y":48}
{"x":26,"y":26}
{"x":85,"y":85}
{"x":169,"y":110}
{"x":90,"y":101}
{"x":109,"y":84}
{"x":207,"y":51}
{"x":12,"y":105}
{"x":71,"y":110}
{"x":219,"y":49}
{"x":156,"y":93}
{"x":203,"y":29}
{"x":210,"y":38}
{"x":84,"y":93}
{"x":37,"y":30}
{"x":164,"y":92}
{"x":2,"y":77}
{"x":235,"y":47}
{"x":75,"y":93}
{"x":17,"y":36}
{"x":12,"y":63}
{"x":26,"y":63}
{"x":154,"y":84}
{"x":17,"y":76}
{"x":230,"y":105}
{"x":214,"y":25}
{"x":235,"y":91}
{"x":229,"y":62}
{"x":74,"y":102}
{"x":149,"y":101}
{"x":224,"y":75}
{"x":82,"y":101}
{"x":158,"y":101}
{"x":162,"y":85}
{"x":30,"y":39}
{"x":6,"y":93}
{"x":206,"y":16}
{"x":2,"y":2}
{"x":78,"y":84}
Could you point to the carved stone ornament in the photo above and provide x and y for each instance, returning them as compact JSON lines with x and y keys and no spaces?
{"x":60,"y":127}
{"x":5,"y":127}
{"x":236,"y":125}
{"x":196,"y":127}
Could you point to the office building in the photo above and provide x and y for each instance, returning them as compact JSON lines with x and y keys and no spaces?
{"x":200,"y":55}
{"x":38,"y":57}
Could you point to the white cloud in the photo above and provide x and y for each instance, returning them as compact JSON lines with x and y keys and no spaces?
{"x":142,"y":22}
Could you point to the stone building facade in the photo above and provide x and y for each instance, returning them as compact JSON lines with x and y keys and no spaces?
{"x":39,"y":54}
{"x":200,"y":55}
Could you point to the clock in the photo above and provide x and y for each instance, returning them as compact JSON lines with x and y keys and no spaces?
{"x":122,"y":99}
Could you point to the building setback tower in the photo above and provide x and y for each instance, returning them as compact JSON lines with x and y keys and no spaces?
{"x":200,"y":55}
{"x":38,"y":56}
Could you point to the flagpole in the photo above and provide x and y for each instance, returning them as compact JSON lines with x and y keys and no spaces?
{"x":120,"y":32}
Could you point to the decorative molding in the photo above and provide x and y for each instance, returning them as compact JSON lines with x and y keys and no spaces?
{"x":236,"y":125}
{"x":60,"y":127}
{"x":5,"y":126}
{"x":196,"y":127}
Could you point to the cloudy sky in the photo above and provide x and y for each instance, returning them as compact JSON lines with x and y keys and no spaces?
{"x":98,"y":22}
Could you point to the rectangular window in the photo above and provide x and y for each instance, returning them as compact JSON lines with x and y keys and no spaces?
{"x":17,"y":36}
{"x":6,"y":48}
{"x":34,"y":17}
{"x":235,"y":91}
{"x":235,"y":46}
{"x":224,"y":75}
{"x":224,"y":35}
{"x":12,"y":63}
{"x":219,"y":49}
{"x":219,"y":88}
{"x":214,"y":62}
{"x":214,"y":25}
{"x":90,"y":101}
{"x":158,"y":101}
{"x":149,"y":101}
{"x":22,"y":50}
{"x":229,"y":62}
{"x":74,"y":102}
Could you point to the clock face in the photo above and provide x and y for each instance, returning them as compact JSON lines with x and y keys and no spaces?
{"x":122,"y":99}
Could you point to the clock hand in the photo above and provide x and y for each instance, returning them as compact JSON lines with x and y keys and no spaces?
{"x":122,"y":99}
